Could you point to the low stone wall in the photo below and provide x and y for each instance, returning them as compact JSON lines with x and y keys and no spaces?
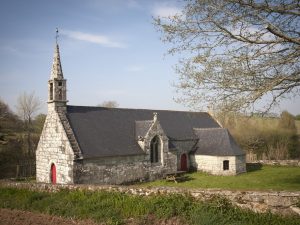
{"x":278,"y":162}
{"x":281,"y":202}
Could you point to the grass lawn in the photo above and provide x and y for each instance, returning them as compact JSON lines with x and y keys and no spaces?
{"x":264,"y":178}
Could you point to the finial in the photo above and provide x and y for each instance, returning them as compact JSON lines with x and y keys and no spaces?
{"x":155,"y":116}
{"x":56,"y":36}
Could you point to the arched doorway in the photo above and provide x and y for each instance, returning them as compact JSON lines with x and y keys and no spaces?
{"x":183,"y":162}
{"x":53,"y":174}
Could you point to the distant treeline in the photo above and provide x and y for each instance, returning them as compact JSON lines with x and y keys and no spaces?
{"x":265,"y":137}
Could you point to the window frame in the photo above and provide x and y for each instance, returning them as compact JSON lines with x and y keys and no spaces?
{"x":225,"y":165}
{"x":155,"y":150}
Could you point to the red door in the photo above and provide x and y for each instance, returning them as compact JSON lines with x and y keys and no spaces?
{"x":183,"y":162}
{"x":53,"y":174}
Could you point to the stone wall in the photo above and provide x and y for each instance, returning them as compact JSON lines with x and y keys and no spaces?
{"x":117,"y":170}
{"x":278,"y":162}
{"x":214,"y":164}
{"x":54,"y":148}
{"x":282,"y":202}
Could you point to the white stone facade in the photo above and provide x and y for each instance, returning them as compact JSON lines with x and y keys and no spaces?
{"x":54,"y":148}
{"x":215,"y":164}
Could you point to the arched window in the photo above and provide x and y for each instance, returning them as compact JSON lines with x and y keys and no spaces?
{"x":155,"y":147}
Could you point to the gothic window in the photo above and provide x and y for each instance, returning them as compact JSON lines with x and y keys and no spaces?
{"x":59,"y":84}
{"x":226,"y":165}
{"x":155,"y":149}
{"x":51,"y":91}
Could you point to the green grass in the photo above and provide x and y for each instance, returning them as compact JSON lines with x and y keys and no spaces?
{"x":115,"y":207}
{"x":264,"y":178}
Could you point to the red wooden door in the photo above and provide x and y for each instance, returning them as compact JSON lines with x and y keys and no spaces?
{"x":183,"y":162}
{"x":53,"y":174}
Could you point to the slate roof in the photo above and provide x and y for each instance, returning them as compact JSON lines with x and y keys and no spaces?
{"x":142,"y":127}
{"x":216,"y":141}
{"x":104,"y":132}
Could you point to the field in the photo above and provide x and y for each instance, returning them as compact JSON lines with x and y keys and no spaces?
{"x":119,"y":208}
{"x":257,"y":178}
{"x":297,"y":122}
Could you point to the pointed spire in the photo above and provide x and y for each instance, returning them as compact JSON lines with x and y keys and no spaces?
{"x":56,"y":72}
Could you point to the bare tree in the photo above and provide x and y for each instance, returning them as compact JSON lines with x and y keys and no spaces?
{"x":236,"y":52}
{"x":27,"y":106}
{"x":109,"y":104}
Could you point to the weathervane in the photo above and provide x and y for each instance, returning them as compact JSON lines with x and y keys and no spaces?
{"x":56,"y":36}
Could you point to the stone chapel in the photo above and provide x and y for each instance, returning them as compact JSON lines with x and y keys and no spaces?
{"x":98,"y":145}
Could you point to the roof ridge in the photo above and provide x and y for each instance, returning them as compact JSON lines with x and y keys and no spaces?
{"x":209,"y":128}
{"x":164,"y":110}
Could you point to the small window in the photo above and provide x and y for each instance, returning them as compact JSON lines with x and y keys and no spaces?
{"x":51,"y":91}
{"x":59,"y":84}
{"x":226,"y":165}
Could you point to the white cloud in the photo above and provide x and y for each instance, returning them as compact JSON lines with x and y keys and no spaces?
{"x":165,"y":11}
{"x":92,"y":38}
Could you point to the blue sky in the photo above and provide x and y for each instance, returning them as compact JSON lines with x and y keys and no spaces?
{"x":109,"y":49}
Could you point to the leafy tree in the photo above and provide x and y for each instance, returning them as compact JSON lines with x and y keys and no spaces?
{"x":236,"y":51}
{"x":109,"y":104}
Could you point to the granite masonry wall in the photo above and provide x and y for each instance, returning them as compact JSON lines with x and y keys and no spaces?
{"x":214,"y":164}
{"x":281,"y":202}
{"x":116,"y":170}
{"x":54,"y":148}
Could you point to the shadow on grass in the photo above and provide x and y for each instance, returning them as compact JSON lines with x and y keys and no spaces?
{"x":185,"y":179}
{"x":251,"y":167}
{"x":290,"y":180}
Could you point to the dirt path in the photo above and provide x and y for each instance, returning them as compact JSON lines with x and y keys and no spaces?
{"x":18,"y":217}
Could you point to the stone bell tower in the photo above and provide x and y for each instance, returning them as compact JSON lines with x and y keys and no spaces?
{"x":57,"y":85}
